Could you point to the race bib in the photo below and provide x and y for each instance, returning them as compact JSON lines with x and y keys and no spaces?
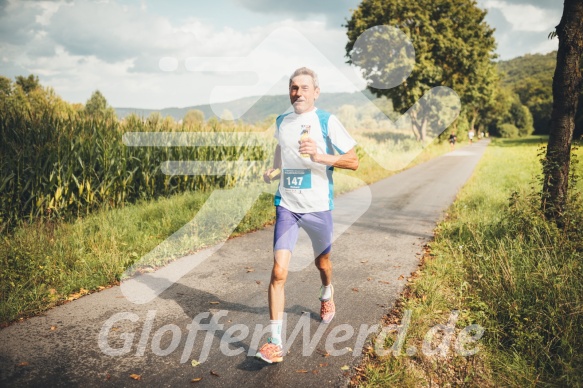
{"x":297,"y":178}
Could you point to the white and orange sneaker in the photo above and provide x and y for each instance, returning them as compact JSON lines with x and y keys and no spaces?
{"x":271,"y":352}
{"x":327,"y":308}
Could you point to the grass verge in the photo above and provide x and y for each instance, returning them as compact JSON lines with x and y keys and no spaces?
{"x":497,"y":263}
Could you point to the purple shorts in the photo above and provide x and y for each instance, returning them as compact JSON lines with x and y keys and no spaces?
{"x":318,"y":225}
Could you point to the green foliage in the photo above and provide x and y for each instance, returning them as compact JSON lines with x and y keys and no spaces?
{"x":193,"y":118}
{"x":5,"y":86}
{"x":453,"y":46}
{"x":56,"y":162}
{"x":524,"y":271}
{"x":531,"y":77}
{"x":508,"y":131}
{"x":522,"y":118}
{"x":28,"y":84}
{"x":97,"y":107}
{"x":497,"y":261}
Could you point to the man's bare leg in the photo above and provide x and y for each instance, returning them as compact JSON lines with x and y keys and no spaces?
{"x":276,"y":293}
{"x":327,"y":306}
{"x":324,"y":265}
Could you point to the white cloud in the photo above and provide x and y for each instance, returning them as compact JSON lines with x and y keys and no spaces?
{"x":83,"y":46}
{"x":526,"y":17}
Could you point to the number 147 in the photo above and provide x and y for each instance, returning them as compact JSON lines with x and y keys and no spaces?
{"x":295,"y":181}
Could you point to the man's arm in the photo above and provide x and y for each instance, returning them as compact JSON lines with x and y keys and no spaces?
{"x":348,"y":160}
{"x":276,"y":165}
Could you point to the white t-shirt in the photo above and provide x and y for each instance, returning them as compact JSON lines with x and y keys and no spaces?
{"x":306,"y":186}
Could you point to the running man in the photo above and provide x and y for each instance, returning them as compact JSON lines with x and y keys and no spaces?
{"x":307,"y":138}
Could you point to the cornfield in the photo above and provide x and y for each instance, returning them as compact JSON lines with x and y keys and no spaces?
{"x":65,"y":165}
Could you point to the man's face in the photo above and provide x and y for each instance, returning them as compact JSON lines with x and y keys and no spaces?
{"x":303,"y":94}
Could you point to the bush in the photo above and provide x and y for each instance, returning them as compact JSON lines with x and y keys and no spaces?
{"x":508,"y":131}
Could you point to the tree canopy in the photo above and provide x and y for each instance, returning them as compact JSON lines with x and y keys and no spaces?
{"x":96,"y":106}
{"x":531,"y":77}
{"x":28,"y":84}
{"x":453,"y":45}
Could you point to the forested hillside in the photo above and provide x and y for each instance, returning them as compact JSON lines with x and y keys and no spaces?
{"x":261,"y":107}
{"x":531,"y":77}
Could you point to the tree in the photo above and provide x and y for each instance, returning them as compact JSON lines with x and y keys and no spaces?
{"x":193,"y":117}
{"x":96,"y":106}
{"x":531,"y":77}
{"x":567,"y":84}
{"x":28,"y":84}
{"x":521,"y":118}
{"x":454,"y":47}
{"x":5,"y":86}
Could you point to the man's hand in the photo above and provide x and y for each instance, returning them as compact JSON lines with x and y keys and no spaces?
{"x":308,"y":147}
{"x":271,"y":174}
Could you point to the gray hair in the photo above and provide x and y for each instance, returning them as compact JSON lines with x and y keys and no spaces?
{"x":305,"y":71}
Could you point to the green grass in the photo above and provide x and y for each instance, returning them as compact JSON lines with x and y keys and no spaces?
{"x":46,"y":263}
{"x":503,"y":267}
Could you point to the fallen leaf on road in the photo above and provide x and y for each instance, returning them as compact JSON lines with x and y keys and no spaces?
{"x":364,"y":261}
{"x":323,"y":353}
{"x":301,"y":371}
{"x":212,"y":372}
{"x":23,"y":364}
{"x":323,"y":364}
{"x":258,"y":281}
{"x":368,"y":279}
{"x":250,"y":270}
{"x":194,"y":363}
{"x":135,"y":376}
{"x":196,"y":380}
{"x":77,"y":295}
{"x":355,"y":289}
{"x":349,"y":349}
{"x":53,"y":327}
{"x":401,"y":277}
{"x":345,"y":367}
{"x":384,"y":282}
{"x":315,"y":371}
{"x":214,"y":302}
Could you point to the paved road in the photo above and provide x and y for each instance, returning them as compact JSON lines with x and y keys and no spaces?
{"x":100,"y":339}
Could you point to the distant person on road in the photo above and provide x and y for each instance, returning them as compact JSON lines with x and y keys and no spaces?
{"x":452,"y":139}
{"x":471,"y":136}
{"x":304,"y":159}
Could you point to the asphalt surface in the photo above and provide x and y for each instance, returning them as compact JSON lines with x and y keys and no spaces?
{"x":103,"y":338}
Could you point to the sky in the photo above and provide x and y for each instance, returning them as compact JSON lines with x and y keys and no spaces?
{"x":154,"y":54}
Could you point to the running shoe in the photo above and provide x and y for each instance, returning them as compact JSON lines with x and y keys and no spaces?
{"x":270,"y":352}
{"x":327,"y":308}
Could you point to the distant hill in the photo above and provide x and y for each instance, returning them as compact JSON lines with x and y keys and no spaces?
{"x":531,"y":77}
{"x":264,"y":106}
{"x":538,"y":66}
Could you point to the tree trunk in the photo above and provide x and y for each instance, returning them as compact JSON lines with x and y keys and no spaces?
{"x":423,"y":130}
{"x":566,"y":88}
{"x":474,"y":118}
{"x":415,"y":126}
